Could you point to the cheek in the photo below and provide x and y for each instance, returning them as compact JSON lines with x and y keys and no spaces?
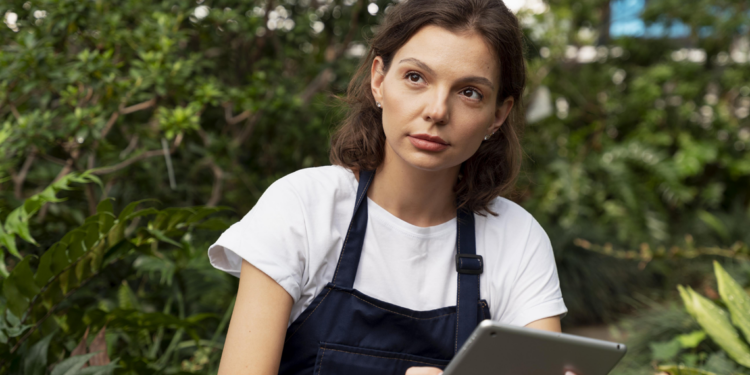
{"x":400,"y":109}
{"x":472,"y":124}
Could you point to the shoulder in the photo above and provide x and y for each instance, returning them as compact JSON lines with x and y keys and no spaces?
{"x":313,"y":193}
{"x":512,"y":218}
{"x":514,"y":235}
{"x":331,"y":182}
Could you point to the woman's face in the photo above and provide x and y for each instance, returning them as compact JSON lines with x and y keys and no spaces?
{"x":439,"y":98}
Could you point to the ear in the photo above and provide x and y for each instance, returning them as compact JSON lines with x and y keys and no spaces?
{"x":501,"y":114}
{"x":377,"y":76}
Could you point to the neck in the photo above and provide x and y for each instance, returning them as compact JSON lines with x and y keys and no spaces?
{"x":418,"y":197}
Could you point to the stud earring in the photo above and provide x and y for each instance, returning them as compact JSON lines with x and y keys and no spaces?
{"x":378,"y":104}
{"x":487,"y":137}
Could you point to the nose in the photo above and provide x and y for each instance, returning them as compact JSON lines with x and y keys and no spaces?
{"x":437,"y":109}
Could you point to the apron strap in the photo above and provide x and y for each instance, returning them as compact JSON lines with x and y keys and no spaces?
{"x":346,"y":269}
{"x":469,"y":266}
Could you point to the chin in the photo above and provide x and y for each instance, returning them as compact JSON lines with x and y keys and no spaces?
{"x":428,"y":162}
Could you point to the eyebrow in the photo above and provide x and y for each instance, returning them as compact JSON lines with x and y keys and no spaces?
{"x":471,"y":79}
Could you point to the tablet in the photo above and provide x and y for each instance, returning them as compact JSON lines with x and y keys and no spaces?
{"x":501,"y":349}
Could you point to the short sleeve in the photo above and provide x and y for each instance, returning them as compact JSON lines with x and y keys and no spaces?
{"x":536,"y":291}
{"x":272,"y":237}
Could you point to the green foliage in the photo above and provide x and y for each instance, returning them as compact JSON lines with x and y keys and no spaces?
{"x":639,"y":145}
{"x":47,"y":294}
{"x":716,"y":323}
{"x":735,"y":298}
{"x":17,"y":222}
{"x":664,"y":351}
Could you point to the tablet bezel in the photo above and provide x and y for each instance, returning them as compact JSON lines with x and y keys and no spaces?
{"x":552,"y":351}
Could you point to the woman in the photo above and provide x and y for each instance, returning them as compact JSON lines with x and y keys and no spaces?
{"x":430,"y":144}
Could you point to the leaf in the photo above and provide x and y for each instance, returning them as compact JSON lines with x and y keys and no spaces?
{"x":126,"y":298}
{"x":105,"y":206}
{"x":682,"y":370}
{"x":44,"y":270}
{"x":17,"y":330}
{"x":664,"y":351}
{"x":720,"y":364}
{"x":92,"y":236}
{"x":714,"y":223}
{"x":76,"y":246}
{"x":9,"y":241}
{"x":175,"y":217}
{"x":117,"y":250}
{"x":162,"y":237}
{"x":99,"y":346}
{"x":35,"y":361}
{"x":70,"y":366}
{"x":202,"y":212}
{"x":193,"y":319}
{"x":214,"y":223}
{"x":64,"y":279}
{"x":99,"y":370}
{"x":60,"y":259}
{"x":17,"y":223}
{"x":130,"y":208}
{"x":735,"y":298}
{"x":17,"y":302}
{"x":715,"y":322}
{"x":692,"y":339}
{"x":23,"y":278}
{"x":81,"y":348}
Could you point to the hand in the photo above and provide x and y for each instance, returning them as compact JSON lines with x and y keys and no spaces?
{"x":437,"y":371}
{"x":424,"y":371}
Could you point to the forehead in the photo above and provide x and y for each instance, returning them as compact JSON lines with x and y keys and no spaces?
{"x":451,"y":54}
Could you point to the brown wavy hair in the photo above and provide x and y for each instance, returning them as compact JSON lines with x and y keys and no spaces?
{"x":359,"y":142}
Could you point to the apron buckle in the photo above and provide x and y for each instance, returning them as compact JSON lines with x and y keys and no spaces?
{"x":469,"y":264}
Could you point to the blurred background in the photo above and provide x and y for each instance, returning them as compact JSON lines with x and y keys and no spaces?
{"x":132,"y":132}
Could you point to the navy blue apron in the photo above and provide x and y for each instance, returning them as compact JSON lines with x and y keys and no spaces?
{"x":346,"y":332}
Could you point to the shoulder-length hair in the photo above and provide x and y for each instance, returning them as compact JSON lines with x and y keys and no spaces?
{"x":359,"y":142}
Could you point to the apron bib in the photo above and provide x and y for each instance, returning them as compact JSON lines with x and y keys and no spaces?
{"x":346,"y":332}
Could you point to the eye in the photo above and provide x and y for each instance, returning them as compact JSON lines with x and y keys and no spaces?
{"x":472,"y":93}
{"x":413,"y":77}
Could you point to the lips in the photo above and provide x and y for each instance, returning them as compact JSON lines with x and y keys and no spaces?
{"x":430,"y":138}
{"x":427,"y":142}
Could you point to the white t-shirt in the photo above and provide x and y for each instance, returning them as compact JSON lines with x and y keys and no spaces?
{"x":295,"y":232}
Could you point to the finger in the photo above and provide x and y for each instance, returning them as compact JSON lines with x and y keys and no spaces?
{"x":424,"y":371}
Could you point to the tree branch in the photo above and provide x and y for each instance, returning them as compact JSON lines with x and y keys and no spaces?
{"x":123,"y":164}
{"x":131,"y":146}
{"x":218,"y":185}
{"x":13,"y":109}
{"x":91,"y":198}
{"x":233,"y":120}
{"x":318,"y":83}
{"x":138,"y":107}
{"x":110,"y":123}
{"x":53,"y":159}
{"x":137,"y":158}
{"x":20,"y":177}
{"x":247,"y":130}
